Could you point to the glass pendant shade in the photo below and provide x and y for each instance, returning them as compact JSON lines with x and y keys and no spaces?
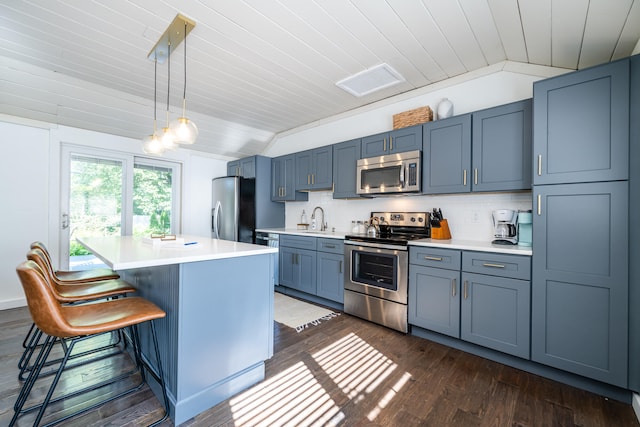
{"x":152,"y":144}
{"x":184,"y":130}
{"x":167,"y":139}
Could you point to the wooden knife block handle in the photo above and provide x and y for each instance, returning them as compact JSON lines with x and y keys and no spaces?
{"x":441,"y":233}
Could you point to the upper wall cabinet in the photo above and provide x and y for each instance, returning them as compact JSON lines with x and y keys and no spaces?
{"x":581,"y":131}
{"x":283,"y":179}
{"x":446,"y":155}
{"x":396,"y":141}
{"x":345,"y":157}
{"x":245,"y":168}
{"x":314,"y":169}
{"x":501,"y":148}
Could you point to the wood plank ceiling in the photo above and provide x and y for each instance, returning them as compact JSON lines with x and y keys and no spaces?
{"x":260,"y":67}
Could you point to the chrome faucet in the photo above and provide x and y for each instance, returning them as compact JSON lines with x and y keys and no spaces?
{"x":323,"y":225}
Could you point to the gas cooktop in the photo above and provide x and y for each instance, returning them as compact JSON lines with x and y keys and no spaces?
{"x":396,"y":228}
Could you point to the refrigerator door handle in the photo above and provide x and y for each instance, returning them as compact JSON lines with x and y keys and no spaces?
{"x":216,"y":220}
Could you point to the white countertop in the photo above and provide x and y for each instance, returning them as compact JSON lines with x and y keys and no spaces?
{"x":125,"y":252}
{"x":468,"y":245}
{"x":310,"y":233}
{"x":473,"y":245}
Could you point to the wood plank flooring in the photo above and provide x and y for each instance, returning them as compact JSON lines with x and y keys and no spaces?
{"x":346,"y":372}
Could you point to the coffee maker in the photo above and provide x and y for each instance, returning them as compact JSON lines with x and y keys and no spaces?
{"x":505,"y":228}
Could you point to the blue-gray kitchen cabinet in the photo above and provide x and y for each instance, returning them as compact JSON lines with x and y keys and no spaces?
{"x":314,"y":169}
{"x":501,"y":147}
{"x":297,"y":258}
{"x":245,"y":167}
{"x":581,"y":129}
{"x":496,"y":301}
{"x":283,"y":180}
{"x":446,"y":155}
{"x":396,"y":141}
{"x":434,"y":288}
{"x":345,"y":157}
{"x":580,"y":284}
{"x":330,"y":269}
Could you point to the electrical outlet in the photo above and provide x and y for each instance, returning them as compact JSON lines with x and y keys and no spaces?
{"x":475,"y":217}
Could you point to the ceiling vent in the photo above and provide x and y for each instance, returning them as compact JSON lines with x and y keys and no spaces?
{"x":371,"y":80}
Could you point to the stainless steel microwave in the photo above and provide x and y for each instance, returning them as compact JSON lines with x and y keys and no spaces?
{"x":392,"y":173}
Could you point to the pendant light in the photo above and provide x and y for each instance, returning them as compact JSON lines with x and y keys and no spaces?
{"x":184,"y":130}
{"x":167,"y":136}
{"x":152,"y":144}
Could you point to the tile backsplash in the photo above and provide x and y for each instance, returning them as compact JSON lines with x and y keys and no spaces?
{"x":468,"y":215}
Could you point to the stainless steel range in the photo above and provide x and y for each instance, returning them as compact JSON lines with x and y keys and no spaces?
{"x":377,"y":264}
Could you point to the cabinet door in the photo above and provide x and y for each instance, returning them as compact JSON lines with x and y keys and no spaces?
{"x":405,"y":139}
{"x":434,"y":300}
{"x":375,"y":145}
{"x":304,"y":170}
{"x":286,"y":257}
{"x":306,"y":265}
{"x":345,"y":156}
{"x":322,"y":177}
{"x":501,"y":153}
{"x":495,"y":313}
{"x":581,"y":126}
{"x":330,"y":278}
{"x":277,"y":179}
{"x":233,"y":168}
{"x":446,"y":155}
{"x":248,"y":167}
{"x":289,"y":186}
{"x":580,"y":279}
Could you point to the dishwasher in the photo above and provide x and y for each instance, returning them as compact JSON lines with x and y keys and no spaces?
{"x":273,"y":241}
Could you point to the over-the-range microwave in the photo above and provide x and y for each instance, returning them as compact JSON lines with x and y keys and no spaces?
{"x":388,"y":174}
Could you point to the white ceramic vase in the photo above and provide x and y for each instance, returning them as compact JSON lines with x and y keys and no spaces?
{"x":445,"y":109}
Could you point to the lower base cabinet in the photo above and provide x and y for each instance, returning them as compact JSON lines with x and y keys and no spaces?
{"x":483,"y":298}
{"x":313,"y":265}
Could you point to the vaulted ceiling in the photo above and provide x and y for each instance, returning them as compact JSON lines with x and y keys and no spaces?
{"x":260,"y":67}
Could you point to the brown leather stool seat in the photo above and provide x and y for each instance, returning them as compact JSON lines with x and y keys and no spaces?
{"x":69,"y":277}
{"x":75,"y":324}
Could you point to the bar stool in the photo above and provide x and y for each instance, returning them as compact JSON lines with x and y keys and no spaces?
{"x":68,"y":277}
{"x":75,"y":324}
{"x":77,"y":292}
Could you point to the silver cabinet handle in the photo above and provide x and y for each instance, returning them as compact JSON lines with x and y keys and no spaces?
{"x":340,"y":268}
{"x":390,"y":143}
{"x":330,"y":246}
{"x":313,"y":179}
{"x":464,"y":178}
{"x":539,"y":164}
{"x":433,"y":258}
{"x":539,"y":204}
{"x":293,"y":258}
{"x":453,"y":287}
{"x":475,"y":176}
{"x":488,"y":264}
{"x":384,"y":144}
{"x":466,"y":289}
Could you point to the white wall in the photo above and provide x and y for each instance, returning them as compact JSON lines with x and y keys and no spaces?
{"x":469,"y":215}
{"x":30,"y":184}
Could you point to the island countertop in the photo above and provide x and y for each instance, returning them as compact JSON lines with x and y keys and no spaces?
{"x":126,"y":252}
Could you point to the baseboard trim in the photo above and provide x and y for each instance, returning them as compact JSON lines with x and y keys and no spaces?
{"x":14,"y":303}
{"x":635,"y":402}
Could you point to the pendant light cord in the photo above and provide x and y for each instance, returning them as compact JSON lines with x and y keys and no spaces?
{"x":168,"y":80}
{"x":155,"y":92}
{"x":184,"y":92}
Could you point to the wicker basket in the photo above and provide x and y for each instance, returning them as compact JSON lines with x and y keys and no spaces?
{"x":412,"y":117}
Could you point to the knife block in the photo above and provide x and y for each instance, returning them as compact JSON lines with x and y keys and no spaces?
{"x":442,"y":232}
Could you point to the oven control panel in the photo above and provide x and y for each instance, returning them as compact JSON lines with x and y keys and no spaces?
{"x":403,"y":219}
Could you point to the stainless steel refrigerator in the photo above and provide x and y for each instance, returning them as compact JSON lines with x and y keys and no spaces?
{"x":238,"y":209}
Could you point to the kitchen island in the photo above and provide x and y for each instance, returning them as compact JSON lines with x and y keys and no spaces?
{"x":218,"y":330}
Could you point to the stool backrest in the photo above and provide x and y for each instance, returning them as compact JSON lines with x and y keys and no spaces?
{"x":45,"y":309}
{"x":40,"y":258}
{"x":45,"y":253}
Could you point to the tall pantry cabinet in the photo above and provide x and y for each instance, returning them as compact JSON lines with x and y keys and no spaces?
{"x":581,"y":287}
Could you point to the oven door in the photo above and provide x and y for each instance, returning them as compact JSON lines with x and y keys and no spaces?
{"x":377,"y":270}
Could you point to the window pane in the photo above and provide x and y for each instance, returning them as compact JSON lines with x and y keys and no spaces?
{"x":152,"y":199}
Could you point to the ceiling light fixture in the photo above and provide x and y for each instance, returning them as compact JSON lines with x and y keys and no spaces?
{"x":185,"y":130}
{"x":151,"y":144}
{"x":181,"y":130}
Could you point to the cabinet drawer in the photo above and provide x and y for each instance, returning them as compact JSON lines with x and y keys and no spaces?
{"x":514,"y":266}
{"x":435,"y":257}
{"x":334,"y":246}
{"x":301,"y":242}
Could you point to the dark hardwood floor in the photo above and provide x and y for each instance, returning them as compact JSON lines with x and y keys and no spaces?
{"x":346,"y":372}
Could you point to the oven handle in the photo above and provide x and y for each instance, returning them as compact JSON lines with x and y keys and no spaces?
{"x":375,"y":245}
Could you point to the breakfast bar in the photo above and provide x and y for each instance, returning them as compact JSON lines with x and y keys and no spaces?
{"x":218,"y":298}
